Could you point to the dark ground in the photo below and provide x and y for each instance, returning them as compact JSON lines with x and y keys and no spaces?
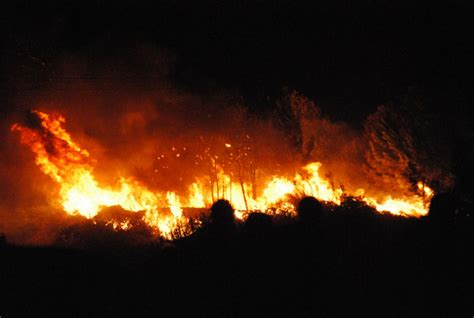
{"x":355,"y":262}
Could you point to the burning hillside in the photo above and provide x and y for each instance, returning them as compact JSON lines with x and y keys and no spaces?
{"x":230,"y":171}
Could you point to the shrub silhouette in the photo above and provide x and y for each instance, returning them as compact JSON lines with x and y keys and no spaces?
{"x":309,"y":210}
{"x":258,"y":225}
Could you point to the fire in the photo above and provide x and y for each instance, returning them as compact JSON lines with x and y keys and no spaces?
{"x":59,"y":157}
{"x":196,"y":198}
{"x":63,"y":160}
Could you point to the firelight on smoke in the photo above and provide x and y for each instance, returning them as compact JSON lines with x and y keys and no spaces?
{"x":70,"y":166}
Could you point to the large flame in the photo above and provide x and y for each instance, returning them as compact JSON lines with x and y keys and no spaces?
{"x":62,"y":159}
{"x":70,"y":166}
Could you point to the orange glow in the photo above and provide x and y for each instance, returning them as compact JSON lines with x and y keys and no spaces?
{"x":63,"y":160}
{"x":59,"y":157}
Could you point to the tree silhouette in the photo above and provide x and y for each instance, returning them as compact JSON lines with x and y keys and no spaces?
{"x":406,"y":142}
{"x":297,"y":115}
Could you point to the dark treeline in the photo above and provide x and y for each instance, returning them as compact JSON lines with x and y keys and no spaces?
{"x":330,"y":261}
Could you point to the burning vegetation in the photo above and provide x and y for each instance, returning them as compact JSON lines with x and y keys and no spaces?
{"x":210,"y":168}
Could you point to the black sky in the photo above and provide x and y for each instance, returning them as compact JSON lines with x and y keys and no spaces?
{"x":348,"y":57}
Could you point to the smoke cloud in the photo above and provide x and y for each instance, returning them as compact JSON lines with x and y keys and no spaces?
{"x":135,"y":123}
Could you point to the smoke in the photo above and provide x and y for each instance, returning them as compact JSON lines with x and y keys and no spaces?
{"x":136,"y":124}
{"x":338,"y":146}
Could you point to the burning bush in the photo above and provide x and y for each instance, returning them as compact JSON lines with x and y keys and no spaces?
{"x":112,"y":228}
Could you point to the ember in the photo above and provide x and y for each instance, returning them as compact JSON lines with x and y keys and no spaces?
{"x":71,"y":167}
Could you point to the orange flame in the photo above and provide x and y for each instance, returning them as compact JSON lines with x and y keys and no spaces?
{"x":63,"y":160}
{"x":59,"y":157}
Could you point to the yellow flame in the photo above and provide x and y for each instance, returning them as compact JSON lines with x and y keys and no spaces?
{"x":80,"y":192}
{"x":68,"y":164}
{"x":196,"y":198}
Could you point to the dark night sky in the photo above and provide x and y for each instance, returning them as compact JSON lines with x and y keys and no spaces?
{"x":349,"y":58}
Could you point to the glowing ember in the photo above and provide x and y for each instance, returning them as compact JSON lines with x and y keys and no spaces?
{"x":63,"y":160}
{"x":69,"y":165}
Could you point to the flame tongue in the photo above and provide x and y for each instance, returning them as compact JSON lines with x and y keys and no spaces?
{"x":62,"y":159}
{"x":56,"y":154}
{"x":69,"y":165}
